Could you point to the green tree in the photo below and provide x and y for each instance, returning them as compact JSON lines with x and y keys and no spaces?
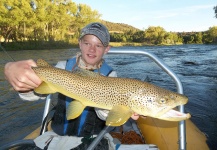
{"x":43,"y":20}
{"x":212,"y":32}
{"x":190,"y":39}
{"x":207,"y":38}
{"x":139,"y":36}
{"x":84,"y":16}
{"x":14,"y":15}
{"x":117,"y":37}
{"x":171,"y":38}
{"x":41,"y":9}
{"x":198,"y":38}
{"x":155,"y":35}
{"x":64,"y":17}
{"x":53,"y":19}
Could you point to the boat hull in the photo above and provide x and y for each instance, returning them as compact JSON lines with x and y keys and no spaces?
{"x":164,"y":134}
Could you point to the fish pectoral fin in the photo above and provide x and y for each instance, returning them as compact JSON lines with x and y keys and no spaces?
{"x":118,"y":115}
{"x":44,"y":89}
{"x":74,"y":109}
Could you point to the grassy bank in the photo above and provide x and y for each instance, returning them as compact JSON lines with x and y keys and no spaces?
{"x":41,"y":45}
{"x":119,"y":44}
{"x":38,"y":45}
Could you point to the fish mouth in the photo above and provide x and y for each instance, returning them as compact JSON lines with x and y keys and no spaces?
{"x":173,"y":115}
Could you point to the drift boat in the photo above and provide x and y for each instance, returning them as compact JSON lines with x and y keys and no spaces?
{"x":158,"y":134}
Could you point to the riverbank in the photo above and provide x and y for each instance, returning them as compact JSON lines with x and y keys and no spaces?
{"x":38,"y":45}
{"x":42,"y":45}
{"x":120,"y":44}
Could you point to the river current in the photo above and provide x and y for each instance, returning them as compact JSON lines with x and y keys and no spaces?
{"x":195,"y":65}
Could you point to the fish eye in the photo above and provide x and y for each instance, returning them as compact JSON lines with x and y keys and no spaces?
{"x":172,"y":97}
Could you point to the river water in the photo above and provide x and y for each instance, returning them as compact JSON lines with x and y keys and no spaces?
{"x":195,"y":65}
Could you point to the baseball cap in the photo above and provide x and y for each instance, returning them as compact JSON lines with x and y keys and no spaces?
{"x":97,"y":29}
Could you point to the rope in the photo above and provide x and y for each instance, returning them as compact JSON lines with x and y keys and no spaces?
{"x":130,"y":137}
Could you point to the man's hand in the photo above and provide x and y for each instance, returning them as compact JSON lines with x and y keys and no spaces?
{"x":21,"y":76}
{"x":136,"y":116}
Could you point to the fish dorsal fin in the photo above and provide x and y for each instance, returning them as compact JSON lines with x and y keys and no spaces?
{"x":44,"y":89}
{"x":118,"y":115}
{"x":74,"y":109}
{"x":42,"y":63}
{"x":84,"y":72}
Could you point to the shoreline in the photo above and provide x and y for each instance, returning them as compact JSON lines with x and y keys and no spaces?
{"x":63,"y":45}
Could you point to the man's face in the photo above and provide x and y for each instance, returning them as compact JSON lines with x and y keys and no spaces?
{"x":92,"y":49}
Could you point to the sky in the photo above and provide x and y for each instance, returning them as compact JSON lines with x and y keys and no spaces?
{"x":172,"y":15}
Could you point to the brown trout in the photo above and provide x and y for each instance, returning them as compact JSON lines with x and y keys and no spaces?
{"x":122,"y":96}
